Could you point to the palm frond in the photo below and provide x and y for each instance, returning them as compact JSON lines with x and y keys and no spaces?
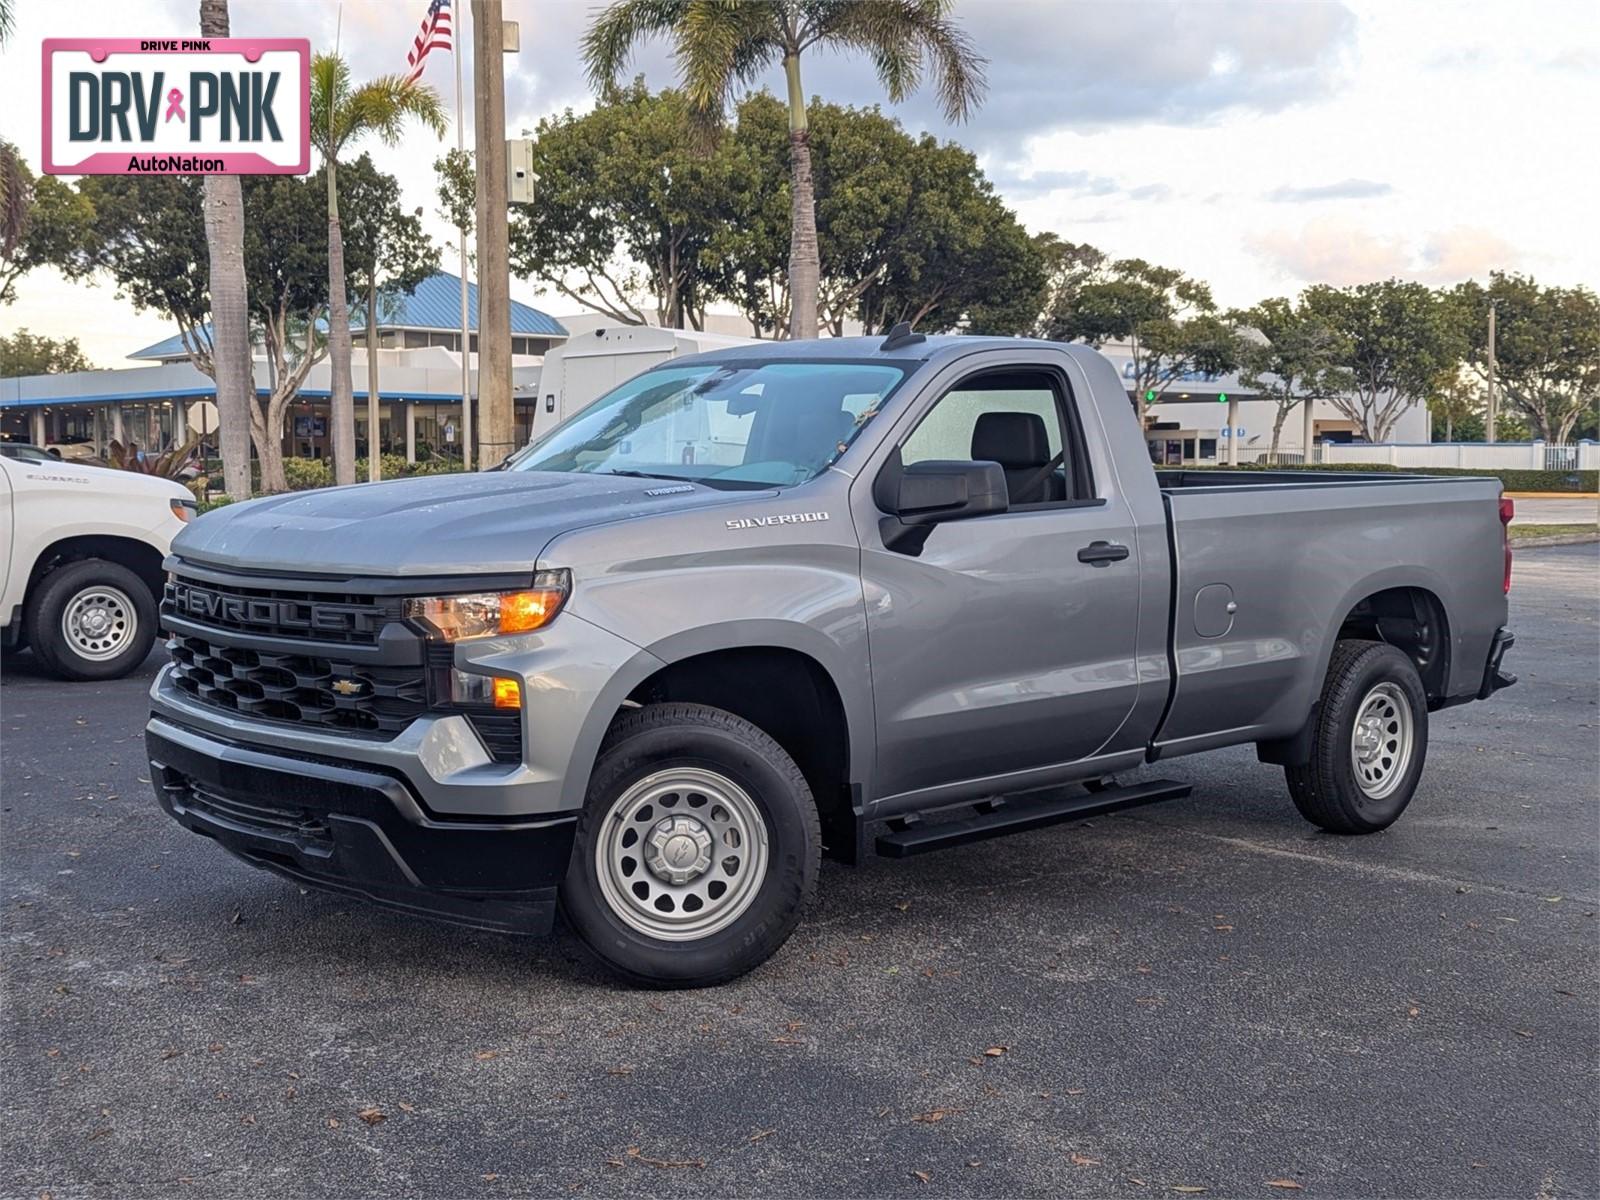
{"x":907,"y":40}
{"x":608,"y":45}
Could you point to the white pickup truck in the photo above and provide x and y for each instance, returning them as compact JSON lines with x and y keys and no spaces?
{"x":80,"y":561}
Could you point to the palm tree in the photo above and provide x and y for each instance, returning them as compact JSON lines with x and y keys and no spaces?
{"x":340,"y":116}
{"x":13,"y":175}
{"x":722,"y":45}
{"x":232,"y":362}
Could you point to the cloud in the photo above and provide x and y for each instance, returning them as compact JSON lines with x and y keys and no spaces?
{"x":1052,"y":66}
{"x":1345,"y":189}
{"x":1342,"y":253}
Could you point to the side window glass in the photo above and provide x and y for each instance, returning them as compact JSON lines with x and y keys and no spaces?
{"x":1014,"y":420}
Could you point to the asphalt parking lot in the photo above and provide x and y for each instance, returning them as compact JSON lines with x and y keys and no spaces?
{"x":1204,"y":995}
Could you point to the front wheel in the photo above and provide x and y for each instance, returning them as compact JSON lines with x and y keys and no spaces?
{"x":1370,"y":741}
{"x":697,"y":850}
{"x":91,"y":619}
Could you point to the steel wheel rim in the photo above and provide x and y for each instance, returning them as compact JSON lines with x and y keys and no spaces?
{"x":1381,"y":741}
{"x":681,"y":854}
{"x":99,"y":623}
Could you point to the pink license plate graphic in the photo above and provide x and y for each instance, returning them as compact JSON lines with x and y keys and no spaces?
{"x":191,"y":106}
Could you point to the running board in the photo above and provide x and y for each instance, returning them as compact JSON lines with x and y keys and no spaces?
{"x":996,"y":818}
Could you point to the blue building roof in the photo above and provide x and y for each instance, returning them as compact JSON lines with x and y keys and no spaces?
{"x":436,"y":304}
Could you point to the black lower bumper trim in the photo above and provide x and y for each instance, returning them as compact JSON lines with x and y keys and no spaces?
{"x":1493,"y":677}
{"x":361,"y":833}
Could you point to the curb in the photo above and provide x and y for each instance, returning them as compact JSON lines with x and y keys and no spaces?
{"x":1571,"y":539}
{"x":1552,"y":495}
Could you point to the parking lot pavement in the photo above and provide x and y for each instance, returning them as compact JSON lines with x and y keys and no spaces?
{"x":1584,"y":511}
{"x":1209,"y":994}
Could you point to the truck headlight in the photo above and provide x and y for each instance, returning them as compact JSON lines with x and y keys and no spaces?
{"x":485,"y":614}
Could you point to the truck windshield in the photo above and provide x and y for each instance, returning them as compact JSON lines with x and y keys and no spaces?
{"x":733,"y":425}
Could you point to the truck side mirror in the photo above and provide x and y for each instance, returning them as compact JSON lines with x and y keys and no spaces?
{"x":926,"y":494}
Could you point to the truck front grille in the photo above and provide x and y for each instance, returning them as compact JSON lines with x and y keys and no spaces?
{"x":299,"y":688}
{"x":330,"y":661}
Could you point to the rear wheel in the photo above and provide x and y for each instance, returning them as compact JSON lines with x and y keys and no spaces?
{"x":697,"y":850}
{"x":1370,"y":741}
{"x":91,"y":619}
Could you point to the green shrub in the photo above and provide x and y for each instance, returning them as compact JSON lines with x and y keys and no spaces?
{"x":1512,"y":480}
{"x":216,"y":502}
{"x":303,"y":474}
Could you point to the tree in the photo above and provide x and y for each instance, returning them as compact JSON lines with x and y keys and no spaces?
{"x":230,"y":317}
{"x":627,"y":206}
{"x":287,"y":266}
{"x":1068,"y":266}
{"x":149,"y":237}
{"x":1547,"y":348}
{"x":1295,"y":360}
{"x":1167,"y":319}
{"x":340,"y":116}
{"x":43,"y":221}
{"x":24,"y":353}
{"x":388,"y":255}
{"x":907,"y":228}
{"x":1398,"y":336}
{"x":1457,"y":407}
{"x":722,"y":47}
{"x":148,"y":234}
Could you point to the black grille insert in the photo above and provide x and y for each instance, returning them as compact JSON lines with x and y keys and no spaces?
{"x":302,"y":689}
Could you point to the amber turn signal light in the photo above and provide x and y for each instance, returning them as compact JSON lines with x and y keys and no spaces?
{"x":507,"y":693}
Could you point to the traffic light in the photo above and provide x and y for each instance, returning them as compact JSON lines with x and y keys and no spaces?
{"x":1150,"y":396}
{"x":1222,"y":397}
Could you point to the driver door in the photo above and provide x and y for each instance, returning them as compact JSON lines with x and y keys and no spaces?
{"x":996,"y":650}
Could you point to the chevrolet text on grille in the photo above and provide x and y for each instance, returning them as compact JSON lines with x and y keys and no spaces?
{"x":269,"y":612}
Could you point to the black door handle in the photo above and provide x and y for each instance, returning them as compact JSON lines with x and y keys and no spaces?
{"x":1102,"y":554}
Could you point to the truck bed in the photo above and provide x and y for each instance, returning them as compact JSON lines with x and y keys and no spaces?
{"x":1268,"y":564}
{"x":1169,"y":479}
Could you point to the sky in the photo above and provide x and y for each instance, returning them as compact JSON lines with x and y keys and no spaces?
{"x":1261,"y":145}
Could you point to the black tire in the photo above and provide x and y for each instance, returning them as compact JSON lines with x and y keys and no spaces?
{"x":1327,"y":790}
{"x":663,"y":738}
{"x":52,"y":596}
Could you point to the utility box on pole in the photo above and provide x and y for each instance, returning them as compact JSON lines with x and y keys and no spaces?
{"x":519,"y":171}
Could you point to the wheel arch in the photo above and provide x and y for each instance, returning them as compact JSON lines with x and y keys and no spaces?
{"x":140,"y":557}
{"x":785,"y":679}
{"x":1401,"y":609}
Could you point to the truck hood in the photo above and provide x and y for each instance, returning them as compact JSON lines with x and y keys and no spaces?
{"x":464,"y":524}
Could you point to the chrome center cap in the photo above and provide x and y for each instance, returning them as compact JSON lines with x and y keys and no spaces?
{"x":96,"y":621}
{"x":1369,"y":738}
{"x":678,"y":849}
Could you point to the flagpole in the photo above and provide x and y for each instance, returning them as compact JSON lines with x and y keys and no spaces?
{"x":457,"y":21}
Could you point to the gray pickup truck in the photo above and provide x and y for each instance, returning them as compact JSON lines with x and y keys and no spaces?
{"x":754,"y":603}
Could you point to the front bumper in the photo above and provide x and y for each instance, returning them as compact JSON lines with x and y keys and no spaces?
{"x":361,"y":832}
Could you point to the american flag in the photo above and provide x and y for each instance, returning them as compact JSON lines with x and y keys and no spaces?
{"x":434,"y":35}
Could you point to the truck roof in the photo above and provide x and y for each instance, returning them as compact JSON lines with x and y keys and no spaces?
{"x":857,"y":349}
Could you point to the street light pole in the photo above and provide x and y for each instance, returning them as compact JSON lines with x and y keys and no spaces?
{"x":1494,"y":399}
{"x":496,"y":417}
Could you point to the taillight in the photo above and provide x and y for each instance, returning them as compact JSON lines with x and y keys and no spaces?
{"x":1508,"y":509}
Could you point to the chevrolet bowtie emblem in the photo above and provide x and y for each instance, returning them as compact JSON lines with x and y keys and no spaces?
{"x":348,"y":687}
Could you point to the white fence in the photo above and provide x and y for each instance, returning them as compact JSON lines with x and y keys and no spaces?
{"x":1513,"y":456}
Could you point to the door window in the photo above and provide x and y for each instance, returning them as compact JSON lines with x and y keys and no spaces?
{"x":1015,"y":419}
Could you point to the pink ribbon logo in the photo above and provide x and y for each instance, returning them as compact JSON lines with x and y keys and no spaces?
{"x":175,"y":105}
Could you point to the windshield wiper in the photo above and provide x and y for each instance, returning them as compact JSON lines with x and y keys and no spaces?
{"x":648,"y":475}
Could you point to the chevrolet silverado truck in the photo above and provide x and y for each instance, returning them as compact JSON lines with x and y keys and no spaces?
{"x":81,"y":549}
{"x":754,"y":603}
